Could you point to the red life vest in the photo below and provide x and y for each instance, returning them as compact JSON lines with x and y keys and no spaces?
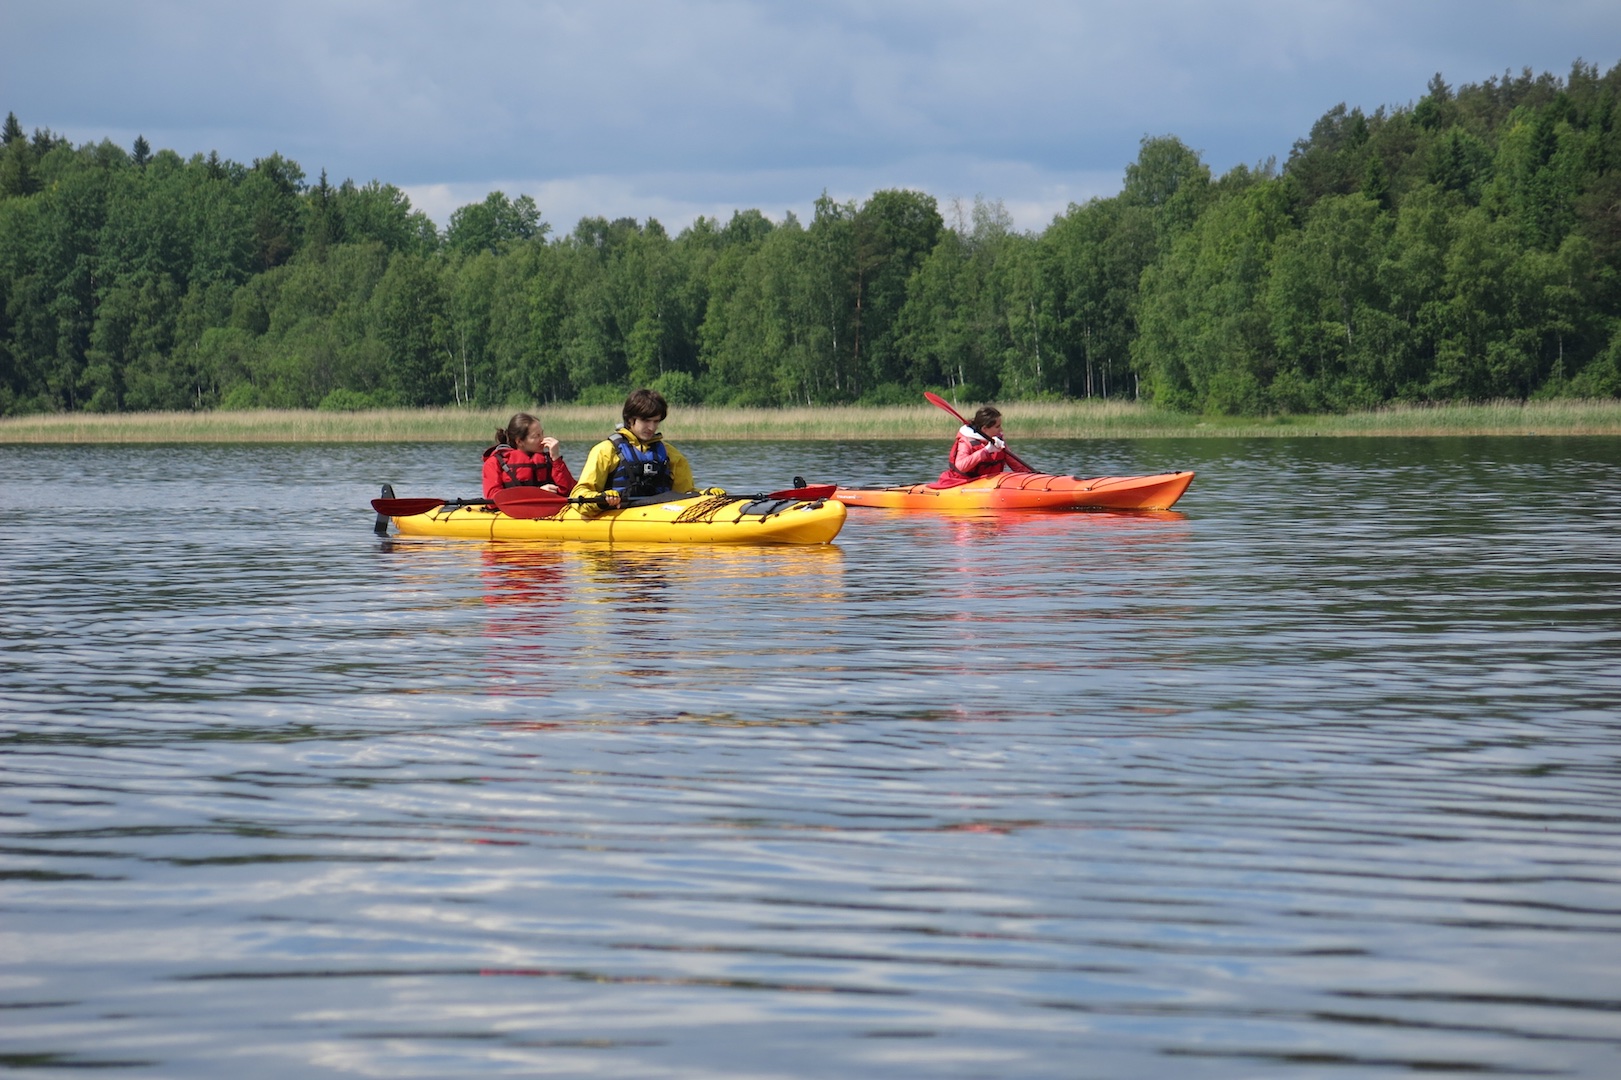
{"x":520,"y":469}
{"x":973,"y":456}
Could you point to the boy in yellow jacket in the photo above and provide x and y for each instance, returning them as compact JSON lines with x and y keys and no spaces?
{"x":635,"y":460}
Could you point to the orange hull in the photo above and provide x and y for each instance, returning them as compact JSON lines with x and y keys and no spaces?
{"x":1030,"y":491}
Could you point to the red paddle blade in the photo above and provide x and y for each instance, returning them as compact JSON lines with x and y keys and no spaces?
{"x":528,"y":502}
{"x":941,"y":403}
{"x":807,"y":493}
{"x":405,"y":507}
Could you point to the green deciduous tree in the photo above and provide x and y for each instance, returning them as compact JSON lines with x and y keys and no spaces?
{"x":494,"y":224}
{"x":409,"y":319}
{"x":1323,"y":299}
{"x":1204,"y":340}
{"x":892,"y":233}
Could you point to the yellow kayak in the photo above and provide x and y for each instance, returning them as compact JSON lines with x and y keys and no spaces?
{"x":695,"y":519}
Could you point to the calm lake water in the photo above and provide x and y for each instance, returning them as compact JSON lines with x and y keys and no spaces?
{"x":1319,"y":776}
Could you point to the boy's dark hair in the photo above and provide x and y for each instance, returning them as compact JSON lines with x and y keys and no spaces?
{"x":985,"y":415}
{"x":645,"y":404}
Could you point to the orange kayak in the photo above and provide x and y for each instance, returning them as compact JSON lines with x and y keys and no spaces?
{"x":1030,"y":491}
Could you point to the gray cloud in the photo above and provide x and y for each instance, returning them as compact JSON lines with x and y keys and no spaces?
{"x":703,"y":106}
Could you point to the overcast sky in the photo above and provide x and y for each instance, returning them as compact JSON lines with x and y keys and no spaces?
{"x":636,"y":108}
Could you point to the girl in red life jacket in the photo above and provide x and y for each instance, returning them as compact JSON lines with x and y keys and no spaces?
{"x":525,"y":456}
{"x":978,"y":451}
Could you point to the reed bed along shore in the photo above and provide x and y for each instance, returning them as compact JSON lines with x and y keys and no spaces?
{"x":582,"y":423}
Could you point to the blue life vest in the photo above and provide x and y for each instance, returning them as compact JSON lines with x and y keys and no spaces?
{"x":640,"y":472}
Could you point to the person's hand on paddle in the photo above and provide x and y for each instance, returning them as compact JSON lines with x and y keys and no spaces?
{"x":611,"y":497}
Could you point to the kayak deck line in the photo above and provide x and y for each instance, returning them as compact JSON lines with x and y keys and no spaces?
{"x":695,"y":519}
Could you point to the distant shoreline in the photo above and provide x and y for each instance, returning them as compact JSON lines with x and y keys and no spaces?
{"x":1025,"y":421}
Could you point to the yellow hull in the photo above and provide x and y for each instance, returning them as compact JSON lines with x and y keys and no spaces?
{"x":701,"y":519}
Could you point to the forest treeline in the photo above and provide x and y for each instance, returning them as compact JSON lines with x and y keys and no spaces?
{"x":1462,"y":248}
